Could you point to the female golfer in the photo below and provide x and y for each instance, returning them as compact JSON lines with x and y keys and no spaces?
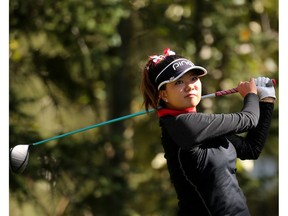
{"x":201,"y":149}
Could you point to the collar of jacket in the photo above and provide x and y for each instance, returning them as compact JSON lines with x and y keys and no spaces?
{"x":165,"y":112}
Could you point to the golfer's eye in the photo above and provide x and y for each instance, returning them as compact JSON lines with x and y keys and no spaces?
{"x":194,"y":79}
{"x":179,"y":82}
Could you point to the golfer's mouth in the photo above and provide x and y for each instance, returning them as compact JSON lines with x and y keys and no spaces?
{"x":191,"y":95}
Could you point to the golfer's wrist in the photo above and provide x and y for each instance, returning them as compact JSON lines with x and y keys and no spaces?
{"x":268,"y":100}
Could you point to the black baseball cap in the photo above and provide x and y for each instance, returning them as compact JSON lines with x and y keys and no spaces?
{"x":176,"y":69}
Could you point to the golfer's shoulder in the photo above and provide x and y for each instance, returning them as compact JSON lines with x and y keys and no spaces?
{"x":187,"y":118}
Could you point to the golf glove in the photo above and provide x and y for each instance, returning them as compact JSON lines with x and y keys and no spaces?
{"x":263,"y":90}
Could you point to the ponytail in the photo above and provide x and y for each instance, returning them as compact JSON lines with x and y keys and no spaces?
{"x":148,"y":89}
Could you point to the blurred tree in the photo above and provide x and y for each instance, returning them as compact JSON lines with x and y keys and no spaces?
{"x":74,"y":63}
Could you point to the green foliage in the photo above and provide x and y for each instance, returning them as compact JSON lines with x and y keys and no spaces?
{"x":75,"y":63}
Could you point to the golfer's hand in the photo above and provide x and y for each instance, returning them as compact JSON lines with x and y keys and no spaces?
{"x":247,"y":87}
{"x":263,"y":90}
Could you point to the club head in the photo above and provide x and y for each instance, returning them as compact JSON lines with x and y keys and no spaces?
{"x":19,"y":156}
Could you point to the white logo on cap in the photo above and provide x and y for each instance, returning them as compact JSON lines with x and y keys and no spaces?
{"x":181,"y":63}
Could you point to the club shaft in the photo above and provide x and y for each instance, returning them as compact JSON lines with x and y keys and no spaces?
{"x":93,"y":126}
{"x":116,"y":120}
{"x":216,"y":94}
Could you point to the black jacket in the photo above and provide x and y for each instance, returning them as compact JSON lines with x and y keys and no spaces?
{"x":201,"y":151}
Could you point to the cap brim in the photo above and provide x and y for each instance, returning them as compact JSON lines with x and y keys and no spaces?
{"x":198,"y":69}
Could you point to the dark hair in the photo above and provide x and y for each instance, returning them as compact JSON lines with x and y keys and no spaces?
{"x":148,"y":86}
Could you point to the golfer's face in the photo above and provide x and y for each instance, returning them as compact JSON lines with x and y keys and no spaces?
{"x":183,"y":93}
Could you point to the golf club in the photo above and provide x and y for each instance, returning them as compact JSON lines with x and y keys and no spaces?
{"x":19,"y":154}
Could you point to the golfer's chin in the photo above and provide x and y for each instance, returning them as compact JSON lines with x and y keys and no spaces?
{"x":188,"y":105}
{"x":193,"y":102}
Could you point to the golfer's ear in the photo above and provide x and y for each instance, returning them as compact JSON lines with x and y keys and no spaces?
{"x":163,"y":95}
